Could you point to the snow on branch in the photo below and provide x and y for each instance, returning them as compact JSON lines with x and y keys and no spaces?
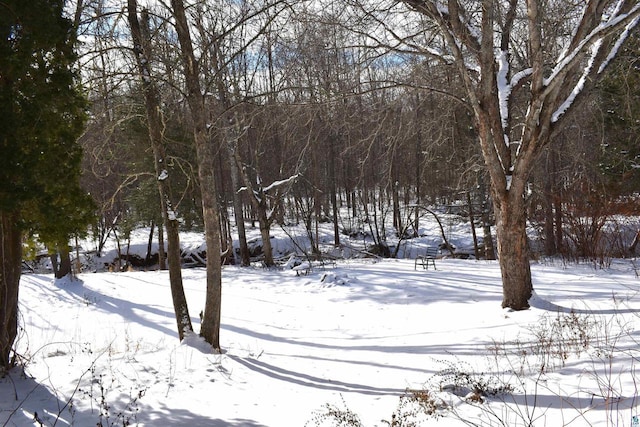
{"x":579,"y":85}
{"x":519,"y":76}
{"x":619,"y":42}
{"x":504,"y":88}
{"x":257,"y":194}
{"x":593,"y":42}
{"x":280,"y":183}
{"x":592,"y":38}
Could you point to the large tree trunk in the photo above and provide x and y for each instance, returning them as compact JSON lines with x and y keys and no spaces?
{"x":210,"y":329}
{"x":508,"y":197}
{"x":152,"y":102}
{"x":64,"y":268}
{"x":205,"y":152}
{"x":513,"y":253}
{"x":10,"y":269}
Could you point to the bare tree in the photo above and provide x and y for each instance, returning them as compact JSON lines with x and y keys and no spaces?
{"x":210,"y":329}
{"x":142,"y":51}
{"x":519,"y":94}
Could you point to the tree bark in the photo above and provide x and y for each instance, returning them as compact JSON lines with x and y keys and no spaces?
{"x":472,"y":220}
{"x":10,"y":270}
{"x":152,"y":103}
{"x":54,"y":263}
{"x":147,"y":258}
{"x":232,"y":150}
{"x":64,"y":268}
{"x":513,"y":254}
{"x":547,"y":206}
{"x":210,"y":329}
{"x":333,"y":185}
{"x":162,"y":258}
{"x":558,"y":223}
{"x":264,"y":224}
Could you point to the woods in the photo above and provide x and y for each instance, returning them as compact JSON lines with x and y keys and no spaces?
{"x":212,"y":115}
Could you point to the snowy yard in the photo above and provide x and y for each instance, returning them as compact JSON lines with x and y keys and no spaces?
{"x":354,"y":337}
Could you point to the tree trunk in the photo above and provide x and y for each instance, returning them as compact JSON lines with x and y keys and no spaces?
{"x":232,"y":148}
{"x":210,"y":328}
{"x":147,"y":258}
{"x":418,"y":171}
{"x":226,"y":240}
{"x":634,"y":244}
{"x":472,"y":220}
{"x":260,"y":207}
{"x":265,"y":228}
{"x":549,"y":231}
{"x":487,"y":238}
{"x":508,"y":197}
{"x":205,"y":152}
{"x":333,"y":189}
{"x":142,"y":51}
{"x":395,"y":201}
{"x":547,"y":206}
{"x":162,"y":257}
{"x":557,"y":210}
{"x":78,"y":269}
{"x":54,"y":263}
{"x":64,"y":268}
{"x":10,"y":269}
{"x":513,"y":251}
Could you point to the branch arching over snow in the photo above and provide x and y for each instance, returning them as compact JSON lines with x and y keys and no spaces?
{"x":277,"y":184}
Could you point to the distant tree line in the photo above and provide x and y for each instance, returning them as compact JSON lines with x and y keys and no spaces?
{"x":303,"y":92}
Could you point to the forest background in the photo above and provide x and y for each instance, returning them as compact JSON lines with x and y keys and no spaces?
{"x":336,"y":119}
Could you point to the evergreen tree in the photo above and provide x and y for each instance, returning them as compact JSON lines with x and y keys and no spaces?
{"x":42,"y":113}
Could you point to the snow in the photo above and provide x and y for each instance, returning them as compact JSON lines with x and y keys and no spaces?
{"x":616,"y":47}
{"x":577,"y":89}
{"x":104,"y":348}
{"x":280,"y":183}
{"x":504,"y":89}
{"x":595,"y":44}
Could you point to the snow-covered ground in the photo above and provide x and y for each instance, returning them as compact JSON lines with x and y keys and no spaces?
{"x":347,"y":339}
